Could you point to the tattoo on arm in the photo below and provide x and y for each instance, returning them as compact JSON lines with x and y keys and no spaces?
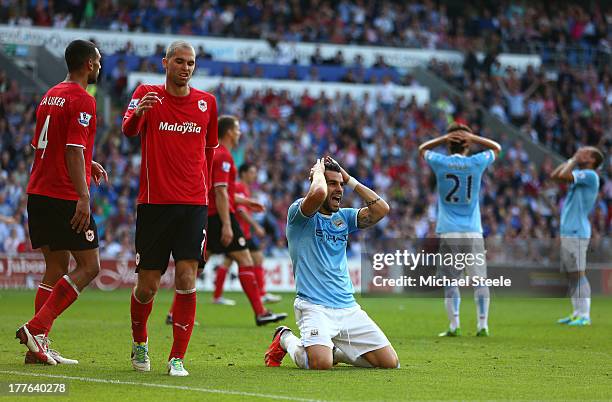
{"x":364,"y":219}
{"x":372,"y":202}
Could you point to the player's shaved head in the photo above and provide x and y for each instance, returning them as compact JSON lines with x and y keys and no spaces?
{"x":78,"y":53}
{"x":178,"y":44}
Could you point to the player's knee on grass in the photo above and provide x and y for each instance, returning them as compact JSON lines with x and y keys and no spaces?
{"x":383,"y":358}
{"x":320,"y":357}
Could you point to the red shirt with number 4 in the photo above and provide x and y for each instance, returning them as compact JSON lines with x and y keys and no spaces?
{"x":173,"y":136}
{"x":66,"y":116}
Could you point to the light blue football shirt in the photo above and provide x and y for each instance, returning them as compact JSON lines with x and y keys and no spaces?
{"x":317,"y":247}
{"x":458,"y":178}
{"x":579,"y":204}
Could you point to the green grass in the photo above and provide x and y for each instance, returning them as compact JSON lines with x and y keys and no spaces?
{"x":528,"y":356}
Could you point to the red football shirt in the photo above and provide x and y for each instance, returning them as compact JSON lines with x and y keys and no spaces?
{"x":242,"y":190}
{"x":66,"y":116}
{"x":173,"y":137}
{"x":223,"y":174}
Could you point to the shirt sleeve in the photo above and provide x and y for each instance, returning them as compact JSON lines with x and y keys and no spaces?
{"x":350,"y":215}
{"x":212,"y":133}
{"x":132,"y":124}
{"x":434,"y":159}
{"x":484,"y":159}
{"x":220,"y":170}
{"x":295,"y":215}
{"x":585,"y":177}
{"x":82,"y":116}
{"x":139,"y":92}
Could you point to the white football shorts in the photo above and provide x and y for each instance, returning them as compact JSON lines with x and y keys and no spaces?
{"x":349,"y":329}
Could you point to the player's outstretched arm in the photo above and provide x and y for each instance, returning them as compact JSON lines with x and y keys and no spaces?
{"x":563,"y":172}
{"x":254,"y":205}
{"x":431,"y":144}
{"x":317,"y":191}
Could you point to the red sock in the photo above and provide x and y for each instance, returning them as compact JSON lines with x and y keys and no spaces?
{"x":171,"y":311}
{"x":248,"y":281}
{"x":42,"y":294}
{"x":63,"y":295}
{"x":260,"y":274}
{"x":219,"y":281}
{"x":140,"y":314}
{"x":183,"y":319}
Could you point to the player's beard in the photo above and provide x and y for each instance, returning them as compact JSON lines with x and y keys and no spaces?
{"x":328,"y":205}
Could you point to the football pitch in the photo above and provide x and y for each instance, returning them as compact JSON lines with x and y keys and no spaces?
{"x":527,"y":357}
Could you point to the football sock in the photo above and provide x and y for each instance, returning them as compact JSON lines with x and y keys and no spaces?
{"x":482,"y":297}
{"x":140,"y":314}
{"x":249,"y":285}
{"x":183,"y":319}
{"x":260,"y":275}
{"x":63,"y":295}
{"x":573,"y":291}
{"x":220,"y":274}
{"x":583,"y":294}
{"x":294,"y":348}
{"x":42,"y":294}
{"x":341,"y":357}
{"x":452,"y":300}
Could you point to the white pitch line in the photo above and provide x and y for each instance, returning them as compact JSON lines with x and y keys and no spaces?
{"x":167,"y":386}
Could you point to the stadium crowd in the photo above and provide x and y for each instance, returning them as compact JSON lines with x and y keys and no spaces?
{"x":377,"y":142}
{"x":563,"y":109}
{"x":514,"y":26}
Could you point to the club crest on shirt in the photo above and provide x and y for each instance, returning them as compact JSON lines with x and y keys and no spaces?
{"x":202,"y":105}
{"x":133,"y":104}
{"x":84,"y":119}
{"x":338,"y":222}
{"x":226,"y":166}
